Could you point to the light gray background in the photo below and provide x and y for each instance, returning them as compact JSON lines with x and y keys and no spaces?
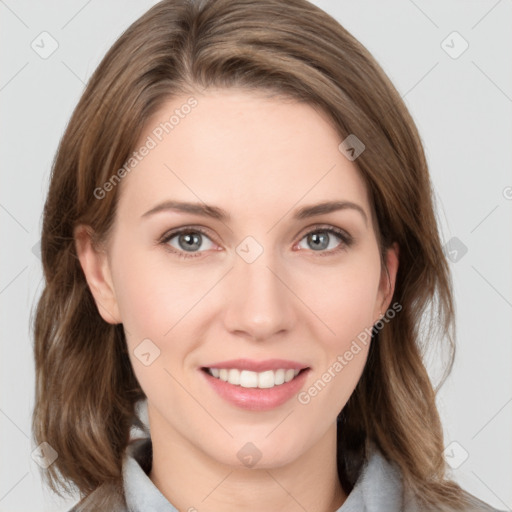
{"x":462,"y":107}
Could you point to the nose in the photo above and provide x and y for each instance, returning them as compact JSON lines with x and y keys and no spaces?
{"x":259,"y":302}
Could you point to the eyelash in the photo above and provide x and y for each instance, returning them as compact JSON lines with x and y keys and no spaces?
{"x":346,"y":240}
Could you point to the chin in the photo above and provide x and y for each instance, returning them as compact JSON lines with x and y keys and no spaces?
{"x":258,"y":454}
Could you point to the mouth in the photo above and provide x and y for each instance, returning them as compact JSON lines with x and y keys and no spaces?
{"x":253,"y":390}
{"x":251,"y":379}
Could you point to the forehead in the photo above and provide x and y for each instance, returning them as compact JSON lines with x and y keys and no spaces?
{"x":241,"y":150}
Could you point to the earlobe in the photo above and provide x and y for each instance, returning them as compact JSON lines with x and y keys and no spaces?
{"x":96,"y":268}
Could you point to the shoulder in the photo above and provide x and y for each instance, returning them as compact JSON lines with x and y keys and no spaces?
{"x":381,"y":481}
{"x":473,"y":504}
{"x":476,"y":505}
{"x":111,"y":495}
{"x":106,"y":497}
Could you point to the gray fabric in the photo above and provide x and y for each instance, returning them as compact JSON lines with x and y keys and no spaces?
{"x":378,"y":489}
{"x":141,"y":493}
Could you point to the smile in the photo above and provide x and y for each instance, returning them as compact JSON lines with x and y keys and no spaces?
{"x":255,"y":390}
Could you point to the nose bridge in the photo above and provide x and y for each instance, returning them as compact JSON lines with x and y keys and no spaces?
{"x":260,"y":304}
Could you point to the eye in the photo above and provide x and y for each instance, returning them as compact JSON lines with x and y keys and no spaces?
{"x":322,"y":240}
{"x":188,"y":240}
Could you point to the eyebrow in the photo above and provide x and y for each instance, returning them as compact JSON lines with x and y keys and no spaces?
{"x":215,"y":212}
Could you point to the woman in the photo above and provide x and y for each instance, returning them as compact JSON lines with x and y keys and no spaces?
{"x":240,"y":229}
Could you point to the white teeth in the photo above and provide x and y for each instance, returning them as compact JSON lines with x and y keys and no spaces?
{"x":234,"y":376}
{"x":248,"y":379}
{"x":266,"y":379}
{"x":279,"y":377}
{"x":288,"y":376}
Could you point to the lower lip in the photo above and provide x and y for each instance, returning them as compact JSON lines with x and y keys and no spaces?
{"x":257,"y":399}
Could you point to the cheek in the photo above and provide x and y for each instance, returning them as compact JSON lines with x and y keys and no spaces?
{"x":144,"y":296}
{"x":345,"y":299}
{"x":150,"y":307}
{"x":155,"y":307}
{"x":346,"y":307}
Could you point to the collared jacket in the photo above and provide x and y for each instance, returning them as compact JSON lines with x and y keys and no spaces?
{"x":378,"y":488}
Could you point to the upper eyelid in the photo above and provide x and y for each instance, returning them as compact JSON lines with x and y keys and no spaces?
{"x":171,"y":233}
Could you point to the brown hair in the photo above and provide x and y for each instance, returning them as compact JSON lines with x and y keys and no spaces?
{"x":86,"y":390}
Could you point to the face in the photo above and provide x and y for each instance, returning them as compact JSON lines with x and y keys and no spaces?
{"x":261,"y":283}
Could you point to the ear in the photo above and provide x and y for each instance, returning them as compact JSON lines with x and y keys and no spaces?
{"x":387,"y":281}
{"x":96,"y":267}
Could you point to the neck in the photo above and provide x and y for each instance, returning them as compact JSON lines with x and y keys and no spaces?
{"x":190,"y":480}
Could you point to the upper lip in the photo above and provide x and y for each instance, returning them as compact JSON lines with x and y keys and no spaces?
{"x":258,"y":366}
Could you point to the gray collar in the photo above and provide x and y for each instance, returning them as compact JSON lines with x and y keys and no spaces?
{"x":378,"y":488}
